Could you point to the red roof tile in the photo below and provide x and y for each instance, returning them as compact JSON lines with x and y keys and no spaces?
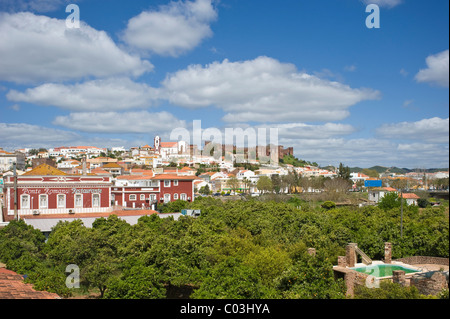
{"x":13,"y":287}
{"x":173,"y":177}
{"x":410,"y":196}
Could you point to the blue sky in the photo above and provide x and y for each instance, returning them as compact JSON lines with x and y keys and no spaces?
{"x":336,"y":90}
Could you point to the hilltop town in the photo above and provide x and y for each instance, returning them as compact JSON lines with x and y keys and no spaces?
{"x":146,"y":177}
{"x":51,"y":190}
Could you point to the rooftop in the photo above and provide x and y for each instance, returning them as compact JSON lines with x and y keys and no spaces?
{"x":44,"y":170}
{"x":13,"y":287}
{"x":410,"y":196}
{"x":112,"y":165}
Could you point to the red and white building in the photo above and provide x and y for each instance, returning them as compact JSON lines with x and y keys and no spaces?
{"x":46,"y":190}
{"x":146,"y":190}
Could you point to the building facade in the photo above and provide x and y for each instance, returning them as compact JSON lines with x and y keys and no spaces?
{"x":146,"y":191}
{"x":46,"y":191}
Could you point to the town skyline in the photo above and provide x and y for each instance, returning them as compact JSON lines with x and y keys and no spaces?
{"x":336,"y":90}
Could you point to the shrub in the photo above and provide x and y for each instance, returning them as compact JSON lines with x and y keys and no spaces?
{"x":328,"y":205}
{"x":422,"y":202}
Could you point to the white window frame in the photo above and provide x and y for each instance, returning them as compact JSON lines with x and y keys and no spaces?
{"x":167,"y":198}
{"x":76,"y":203}
{"x":22,"y":206}
{"x":99,"y":200}
{"x":142,"y":197}
{"x":40,"y":201}
{"x":57,"y":201}
{"x":132,"y":197}
{"x":167,"y":183}
{"x":183,"y":196}
{"x":175,"y":183}
{"x":175,"y":196}
{"x":153,"y":198}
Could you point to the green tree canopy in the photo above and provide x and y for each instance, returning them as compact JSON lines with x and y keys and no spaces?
{"x":264,"y":184}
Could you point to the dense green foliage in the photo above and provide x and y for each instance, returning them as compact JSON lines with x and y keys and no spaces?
{"x":292,"y":160}
{"x":235,"y":249}
{"x":389,"y":290}
{"x":328,"y":205}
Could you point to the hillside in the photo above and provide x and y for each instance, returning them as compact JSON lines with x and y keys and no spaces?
{"x":397,"y":170}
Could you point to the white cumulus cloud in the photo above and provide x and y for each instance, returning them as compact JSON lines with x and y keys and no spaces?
{"x":433,"y":130}
{"x":28,"y":134}
{"x":384,"y":3}
{"x":317,"y":132}
{"x":437,"y":71}
{"x":104,"y":94}
{"x":38,"y":48}
{"x":115,"y":122}
{"x":262,"y":90}
{"x":173,"y":29}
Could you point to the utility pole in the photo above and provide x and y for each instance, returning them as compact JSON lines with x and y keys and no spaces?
{"x":16,"y":215}
{"x":401,"y":214}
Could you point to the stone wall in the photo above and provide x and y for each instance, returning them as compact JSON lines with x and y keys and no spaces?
{"x":424,"y":260}
{"x":387,"y":253}
{"x":351,"y":277}
{"x":430,"y":286}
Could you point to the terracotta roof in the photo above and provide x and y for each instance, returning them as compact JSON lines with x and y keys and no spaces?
{"x":208,"y":173}
{"x":112,"y":165}
{"x":169,"y":144}
{"x":173,"y":177}
{"x":99,"y":170}
{"x":5,"y":152}
{"x":13,"y":287}
{"x":410,"y":196}
{"x":44,"y":170}
{"x":134,"y":177}
{"x":139,"y":171}
{"x":186,"y":168}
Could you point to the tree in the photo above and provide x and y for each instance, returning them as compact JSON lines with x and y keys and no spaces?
{"x":388,"y":290}
{"x":276,"y":183}
{"x":33,"y":151}
{"x":205,"y":190}
{"x":423,"y":202}
{"x":247,"y":183}
{"x":174,"y":207}
{"x":289,"y":181}
{"x":338,"y":185}
{"x":100,"y":270}
{"x":233,"y":183}
{"x":344,"y":171}
{"x":311,"y":278}
{"x":70,"y":243}
{"x":21,"y":246}
{"x":264,"y":184}
{"x":232,"y":280}
{"x":137,"y":282}
{"x":399,"y":183}
{"x":389,"y":201}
